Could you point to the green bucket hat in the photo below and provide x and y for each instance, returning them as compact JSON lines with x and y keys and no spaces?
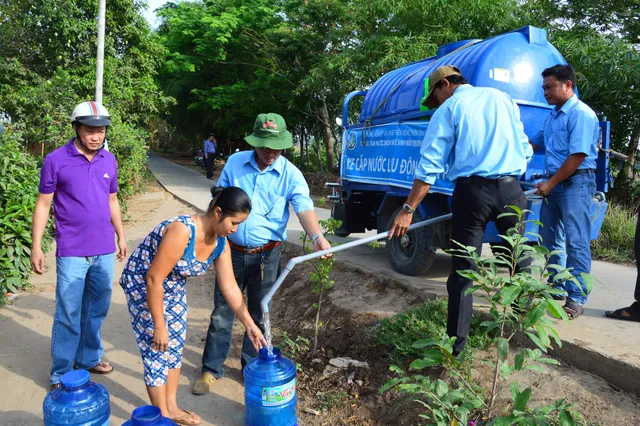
{"x":270,"y":131}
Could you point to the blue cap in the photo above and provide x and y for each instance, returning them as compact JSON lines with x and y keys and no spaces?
{"x":265,"y":355}
{"x":146,"y":415}
{"x":74,"y":378}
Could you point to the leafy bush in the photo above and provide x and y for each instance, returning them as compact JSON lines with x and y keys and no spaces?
{"x":19,"y":176}
{"x":127,"y":144}
{"x":615,"y":242}
{"x":428,"y":321}
{"x":519,"y":304}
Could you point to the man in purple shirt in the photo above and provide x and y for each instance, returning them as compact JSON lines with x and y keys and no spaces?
{"x":81,"y":179}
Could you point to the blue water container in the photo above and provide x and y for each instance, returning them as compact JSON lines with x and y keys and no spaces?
{"x":148,"y":415}
{"x":270,"y":390}
{"x":78,"y":402}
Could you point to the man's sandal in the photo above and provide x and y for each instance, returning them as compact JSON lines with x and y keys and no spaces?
{"x":102,"y":367}
{"x":189,"y":419}
{"x":572,"y":309}
{"x":632,"y":313}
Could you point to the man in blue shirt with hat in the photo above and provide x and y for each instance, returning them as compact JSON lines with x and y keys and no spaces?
{"x":272,"y":183}
{"x":476,"y":134}
{"x":570,"y":137}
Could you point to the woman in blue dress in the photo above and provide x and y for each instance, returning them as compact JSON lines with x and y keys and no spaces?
{"x":154,"y":283}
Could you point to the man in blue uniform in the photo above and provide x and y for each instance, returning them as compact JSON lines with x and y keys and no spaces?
{"x":570,"y":136}
{"x":480,"y":129}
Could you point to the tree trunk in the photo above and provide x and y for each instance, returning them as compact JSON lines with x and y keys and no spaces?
{"x":302,"y":144}
{"x":337,"y":137}
{"x":629,"y":166}
{"x":632,"y":152}
{"x":319,"y":156}
{"x":306,"y":143}
{"x":327,"y":134}
{"x":317,"y":324}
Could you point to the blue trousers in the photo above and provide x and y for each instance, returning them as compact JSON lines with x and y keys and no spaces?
{"x":246,"y":268}
{"x":566,"y":220}
{"x":83,"y":296}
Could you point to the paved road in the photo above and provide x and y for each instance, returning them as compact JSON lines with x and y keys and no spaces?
{"x":610,"y":348}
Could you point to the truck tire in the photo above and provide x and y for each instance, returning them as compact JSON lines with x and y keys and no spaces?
{"x":338,"y":212}
{"x":410,"y":254}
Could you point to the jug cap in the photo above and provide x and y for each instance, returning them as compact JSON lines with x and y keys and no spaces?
{"x":266,"y":356}
{"x":146,"y":415}
{"x":74,"y":378}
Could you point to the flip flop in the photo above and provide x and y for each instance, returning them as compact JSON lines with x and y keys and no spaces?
{"x":184,"y":419}
{"x":102,"y":364}
{"x":632,"y":313}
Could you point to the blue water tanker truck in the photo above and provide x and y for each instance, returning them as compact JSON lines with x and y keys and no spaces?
{"x":380,"y":151}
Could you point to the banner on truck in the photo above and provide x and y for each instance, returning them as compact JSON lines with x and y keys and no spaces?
{"x":386,"y":155}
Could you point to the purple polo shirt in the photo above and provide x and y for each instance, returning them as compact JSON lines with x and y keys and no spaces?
{"x":81,"y":200}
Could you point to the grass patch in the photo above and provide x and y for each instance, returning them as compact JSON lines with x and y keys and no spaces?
{"x":615,"y":243}
{"x":333,"y":398}
{"x":428,"y":321}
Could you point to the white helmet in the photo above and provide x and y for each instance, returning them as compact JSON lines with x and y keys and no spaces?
{"x":91,"y":113}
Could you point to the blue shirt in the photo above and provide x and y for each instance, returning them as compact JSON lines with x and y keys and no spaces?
{"x":476,"y":132}
{"x":270,"y":191}
{"x":574,"y":129}
{"x":209,"y":147}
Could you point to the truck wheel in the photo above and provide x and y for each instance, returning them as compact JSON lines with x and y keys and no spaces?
{"x":337,"y":212}
{"x":410,"y":254}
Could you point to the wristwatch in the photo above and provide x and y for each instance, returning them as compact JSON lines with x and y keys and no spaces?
{"x":407,"y":208}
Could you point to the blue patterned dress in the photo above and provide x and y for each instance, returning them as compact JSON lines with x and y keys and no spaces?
{"x":133,"y":282}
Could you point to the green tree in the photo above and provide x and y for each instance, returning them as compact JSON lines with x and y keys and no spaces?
{"x":229,"y":60}
{"x":50,"y":67}
{"x":215,"y":70}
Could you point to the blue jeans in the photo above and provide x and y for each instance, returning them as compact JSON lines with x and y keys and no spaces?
{"x":246,"y":268}
{"x":566,"y":219}
{"x":83,"y":296}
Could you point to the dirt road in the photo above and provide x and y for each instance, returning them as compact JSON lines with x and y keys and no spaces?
{"x":25,"y":336}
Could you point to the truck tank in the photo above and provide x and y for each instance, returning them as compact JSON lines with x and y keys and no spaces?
{"x":381,"y":149}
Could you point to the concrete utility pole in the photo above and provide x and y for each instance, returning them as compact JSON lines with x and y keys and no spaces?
{"x":102,"y":10}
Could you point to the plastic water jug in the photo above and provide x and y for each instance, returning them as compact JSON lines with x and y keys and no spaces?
{"x":78,"y":402}
{"x":148,"y":415}
{"x":270,"y":390}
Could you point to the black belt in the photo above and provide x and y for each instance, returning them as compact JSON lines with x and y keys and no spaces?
{"x":499,"y":179}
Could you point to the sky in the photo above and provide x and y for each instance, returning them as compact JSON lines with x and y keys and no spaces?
{"x":149,"y":13}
